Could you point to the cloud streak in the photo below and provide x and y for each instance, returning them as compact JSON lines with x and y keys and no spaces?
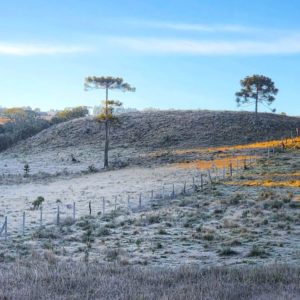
{"x":231,"y":28}
{"x":37,"y":49}
{"x":285,"y":46}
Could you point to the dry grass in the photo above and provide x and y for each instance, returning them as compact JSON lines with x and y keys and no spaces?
{"x":39,"y":280}
{"x":288,"y":143}
{"x":266,"y":183}
{"x":219,"y":163}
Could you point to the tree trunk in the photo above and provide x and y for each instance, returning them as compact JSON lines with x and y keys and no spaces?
{"x":106,"y":132}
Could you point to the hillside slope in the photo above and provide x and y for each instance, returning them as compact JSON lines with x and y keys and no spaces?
{"x":165,"y":129}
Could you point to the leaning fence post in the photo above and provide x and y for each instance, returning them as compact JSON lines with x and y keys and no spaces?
{"x":74,"y":210}
{"x":23,"y":223}
{"x":58,"y":215}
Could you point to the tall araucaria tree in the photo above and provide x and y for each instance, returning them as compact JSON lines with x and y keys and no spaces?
{"x":256,"y":89}
{"x":107,"y":83}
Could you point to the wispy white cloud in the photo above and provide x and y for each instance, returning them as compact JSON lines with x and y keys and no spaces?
{"x":286,"y":45}
{"x":196,"y":27}
{"x":37,"y":49}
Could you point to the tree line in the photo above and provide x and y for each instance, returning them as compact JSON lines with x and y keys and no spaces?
{"x":24,"y":123}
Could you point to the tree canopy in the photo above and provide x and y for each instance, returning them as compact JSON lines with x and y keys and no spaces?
{"x":108,"y":82}
{"x":256,"y":89}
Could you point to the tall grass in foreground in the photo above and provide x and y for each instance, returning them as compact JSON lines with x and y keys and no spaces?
{"x":38,"y":280}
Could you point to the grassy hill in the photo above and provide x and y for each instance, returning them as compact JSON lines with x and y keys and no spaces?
{"x":166,"y":129}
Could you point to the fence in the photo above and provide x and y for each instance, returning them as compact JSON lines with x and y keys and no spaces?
{"x":143,"y":201}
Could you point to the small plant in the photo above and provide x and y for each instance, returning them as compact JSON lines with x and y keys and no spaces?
{"x":208,"y":237}
{"x":227,"y":251}
{"x":257,"y":252}
{"x":162,"y":231}
{"x":36,"y":204}
{"x":92,"y":169}
{"x":103,"y":231}
{"x":26,"y":170}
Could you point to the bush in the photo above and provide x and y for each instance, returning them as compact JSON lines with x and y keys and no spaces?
{"x":70,"y":114}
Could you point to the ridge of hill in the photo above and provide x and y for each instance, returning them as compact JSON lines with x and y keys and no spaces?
{"x":165,"y":129}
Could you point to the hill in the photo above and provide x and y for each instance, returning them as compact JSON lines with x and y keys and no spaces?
{"x":165,"y":129}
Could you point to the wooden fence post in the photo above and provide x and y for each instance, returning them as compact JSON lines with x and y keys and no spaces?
{"x":209,"y":176}
{"x":230,"y":169}
{"x":90,"y":207}
{"x":201,"y":178}
{"x":58,"y":216}
{"x":74,"y":211}
{"x":103,"y":205}
{"x":128,"y":202}
{"x":41,"y":216}
{"x":5,"y":229}
{"x":23,"y":223}
{"x":140,"y":201}
{"x":184,"y":188}
{"x":173,"y":191}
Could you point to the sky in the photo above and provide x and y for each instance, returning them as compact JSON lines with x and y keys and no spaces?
{"x":178,"y":54}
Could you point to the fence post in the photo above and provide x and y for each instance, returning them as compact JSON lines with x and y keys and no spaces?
{"x":128,"y":202}
{"x":41,"y":216}
{"x":74,"y":210}
{"x":209,"y":176}
{"x":115,"y":203}
{"x":230,"y":169}
{"x":184,"y":188}
{"x":173,"y":191}
{"x":163,"y":193}
{"x":58,"y":215}
{"x":90,"y":207}
{"x":103,"y":205}
{"x":5,"y":229}
{"x":23,"y":224}
{"x":201,"y":177}
{"x":140,"y":201}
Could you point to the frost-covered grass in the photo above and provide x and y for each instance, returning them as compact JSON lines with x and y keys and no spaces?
{"x":39,"y":280}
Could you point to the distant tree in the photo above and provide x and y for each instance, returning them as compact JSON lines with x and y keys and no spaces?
{"x":256,"y":89}
{"x":70,"y":114}
{"x":107,"y":83}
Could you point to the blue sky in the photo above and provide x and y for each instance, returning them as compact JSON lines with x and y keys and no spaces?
{"x":178,"y":54}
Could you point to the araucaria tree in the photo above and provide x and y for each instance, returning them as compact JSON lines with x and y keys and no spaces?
{"x":256,"y":89}
{"x":106,"y":116}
